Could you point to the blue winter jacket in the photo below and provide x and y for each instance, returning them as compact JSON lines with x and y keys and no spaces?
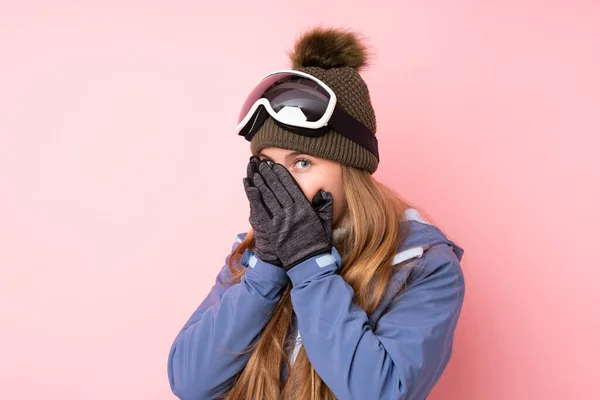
{"x":398,"y":352}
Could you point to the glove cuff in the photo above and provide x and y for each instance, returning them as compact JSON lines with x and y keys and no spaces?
{"x":324,"y":250}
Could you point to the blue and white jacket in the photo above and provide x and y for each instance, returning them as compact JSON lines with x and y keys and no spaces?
{"x":398,"y":352}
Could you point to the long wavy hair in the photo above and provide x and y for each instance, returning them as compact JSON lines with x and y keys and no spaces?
{"x":371,"y":229}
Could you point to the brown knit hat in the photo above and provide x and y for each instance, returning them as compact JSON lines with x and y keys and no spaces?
{"x":334,"y":56}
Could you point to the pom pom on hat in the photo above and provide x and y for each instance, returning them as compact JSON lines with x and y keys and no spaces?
{"x":329,"y":48}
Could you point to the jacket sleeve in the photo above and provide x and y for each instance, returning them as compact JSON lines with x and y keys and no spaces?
{"x":206,"y":354}
{"x":405,"y":354}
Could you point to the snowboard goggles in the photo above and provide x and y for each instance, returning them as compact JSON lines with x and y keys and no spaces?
{"x":303,"y":104}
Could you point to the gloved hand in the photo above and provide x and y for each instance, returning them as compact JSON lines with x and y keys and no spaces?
{"x":284,"y":218}
{"x":322,"y":203}
{"x":263,"y":248}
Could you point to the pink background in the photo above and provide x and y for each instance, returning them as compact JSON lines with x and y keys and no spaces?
{"x":121,"y":178}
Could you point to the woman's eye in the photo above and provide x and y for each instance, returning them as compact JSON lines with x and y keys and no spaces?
{"x":302,"y":163}
{"x":269,"y":162}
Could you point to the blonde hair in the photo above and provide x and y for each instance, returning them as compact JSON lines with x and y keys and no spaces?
{"x":370,"y":232}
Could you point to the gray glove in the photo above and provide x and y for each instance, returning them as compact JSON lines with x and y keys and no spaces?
{"x":284,"y":218}
{"x":322,"y":203}
{"x":262,"y":249}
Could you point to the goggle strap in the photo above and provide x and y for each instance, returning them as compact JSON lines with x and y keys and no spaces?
{"x":354,"y":130}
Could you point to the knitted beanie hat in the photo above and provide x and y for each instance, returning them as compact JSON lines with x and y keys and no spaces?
{"x":334,"y":56}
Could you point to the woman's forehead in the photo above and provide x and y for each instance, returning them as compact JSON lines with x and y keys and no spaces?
{"x":276,"y":152}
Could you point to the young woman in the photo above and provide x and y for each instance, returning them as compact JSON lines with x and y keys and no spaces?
{"x":340,"y":289}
